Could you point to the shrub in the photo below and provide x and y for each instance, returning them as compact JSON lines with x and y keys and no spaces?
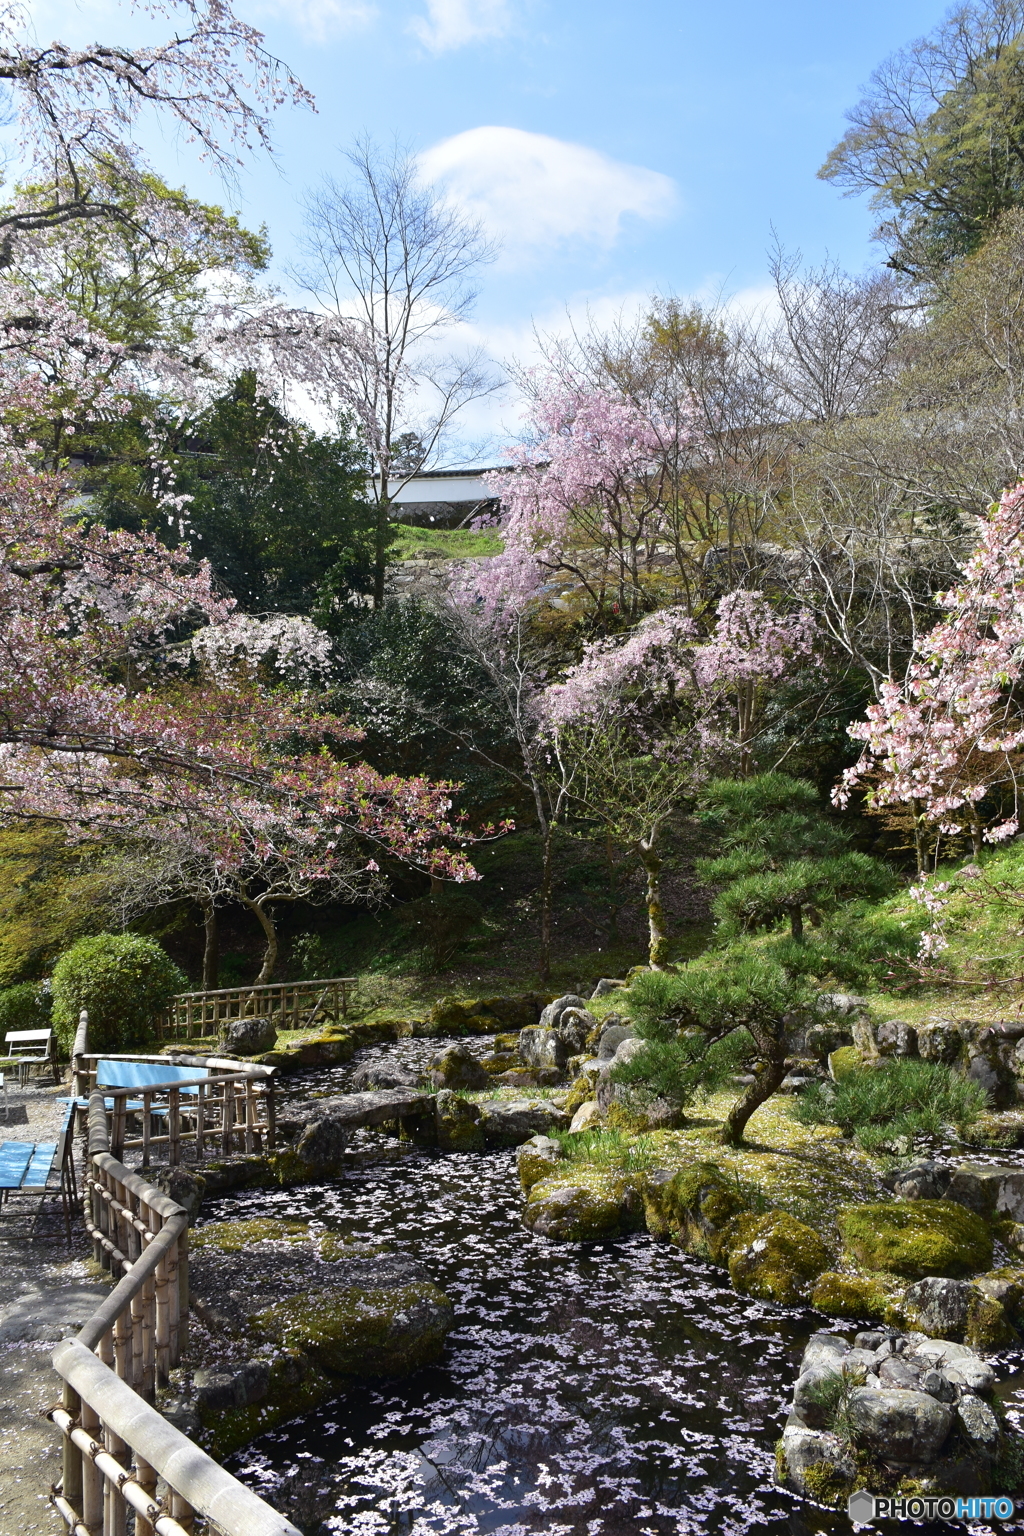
{"x":122,"y":979}
{"x":894,"y":1105}
{"x":26,"y":1006}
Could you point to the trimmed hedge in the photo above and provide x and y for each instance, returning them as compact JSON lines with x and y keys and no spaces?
{"x":123,"y":979}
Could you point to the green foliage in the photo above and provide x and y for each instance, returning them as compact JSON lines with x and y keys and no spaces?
{"x":915,"y":1238}
{"x":25,"y":1006}
{"x":832,"y":1392}
{"x":122,"y":979}
{"x":782,"y":858}
{"x":277,"y":509}
{"x":50,"y":895}
{"x":614,"y":1149}
{"x":939,"y":138}
{"x":896,"y":1105}
{"x":701,"y":1025}
{"x":440,"y":922}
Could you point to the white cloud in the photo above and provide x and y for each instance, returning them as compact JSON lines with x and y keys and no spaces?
{"x":320,"y":20}
{"x":454,"y":23}
{"x":532,"y":192}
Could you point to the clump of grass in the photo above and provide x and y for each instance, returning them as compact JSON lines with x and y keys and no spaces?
{"x":612,"y":1149}
{"x":896,"y":1105}
{"x":833,"y":1394}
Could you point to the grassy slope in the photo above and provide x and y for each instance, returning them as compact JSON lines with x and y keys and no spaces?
{"x":446,"y":543}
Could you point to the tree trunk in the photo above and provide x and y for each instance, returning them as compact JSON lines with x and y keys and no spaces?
{"x":547,"y":837}
{"x":211,"y":945}
{"x":657,"y":937}
{"x":381,"y":540}
{"x":266,"y":922}
{"x":796,"y":922}
{"x":768,"y":1075}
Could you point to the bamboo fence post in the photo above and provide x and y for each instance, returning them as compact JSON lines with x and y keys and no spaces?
{"x":174,"y":1127}
{"x":145,"y":1476}
{"x":92,"y":1477}
{"x":201,"y":1123}
{"x":147,"y":1108}
{"x":71,"y":1456}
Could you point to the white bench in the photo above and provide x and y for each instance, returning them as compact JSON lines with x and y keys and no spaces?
{"x":26,"y":1048}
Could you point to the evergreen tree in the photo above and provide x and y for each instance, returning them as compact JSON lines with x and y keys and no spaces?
{"x":782,"y":858}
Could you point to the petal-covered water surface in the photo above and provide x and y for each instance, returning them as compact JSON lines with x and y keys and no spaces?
{"x":612,"y":1389}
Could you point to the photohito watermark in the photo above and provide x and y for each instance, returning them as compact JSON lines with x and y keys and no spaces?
{"x":864,"y":1507}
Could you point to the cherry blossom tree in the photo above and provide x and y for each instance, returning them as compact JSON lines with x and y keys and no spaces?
{"x":76,"y":108}
{"x":587,"y":494}
{"x":952,"y":733}
{"x":640,"y":723}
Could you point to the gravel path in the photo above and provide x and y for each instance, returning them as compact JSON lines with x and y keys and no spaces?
{"x":45,"y":1294}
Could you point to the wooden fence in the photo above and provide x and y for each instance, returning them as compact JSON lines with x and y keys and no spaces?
{"x":230,"y":1110}
{"x":192,"y":1015}
{"x":120,"y":1455}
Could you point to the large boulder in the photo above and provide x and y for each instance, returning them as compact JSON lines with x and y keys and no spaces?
{"x":816,"y":1464}
{"x":899,"y":1426}
{"x":938,"y":1306}
{"x":458,"y":1123}
{"x":940,"y":1040}
{"x":694,"y":1207}
{"x":611,"y":1038}
{"x":605,"y":985}
{"x":247,"y":1037}
{"x":601,"y":1207}
{"x":543,"y":1046}
{"x":508,"y":1123}
{"x":383,"y":1074}
{"x":575,"y":1026}
{"x":896,"y":1038}
{"x":457,"y":1067}
{"x":989,"y":1189}
{"x":775,"y":1257}
{"x":924,"y":1180}
{"x":917,"y":1238}
{"x":537,"y":1159}
{"x":552,"y":1014}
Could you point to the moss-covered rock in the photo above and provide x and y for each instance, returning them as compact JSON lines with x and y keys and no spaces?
{"x":365,"y":1333}
{"x":236,"y":1236}
{"x":845,"y":1060}
{"x":695,"y":1208}
{"x":457,"y":1123}
{"x":296,"y":1387}
{"x":775,"y":1257}
{"x":856,"y":1296}
{"x":537,"y":1159}
{"x":917,"y":1238}
{"x":583,"y":1206}
{"x":582,"y":1089}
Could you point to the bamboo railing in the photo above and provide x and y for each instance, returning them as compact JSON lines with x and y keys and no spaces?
{"x":121,"y":1457}
{"x":195,"y":1014}
{"x":231,"y":1110}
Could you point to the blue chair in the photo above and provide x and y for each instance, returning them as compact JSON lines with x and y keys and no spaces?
{"x":26,"y":1168}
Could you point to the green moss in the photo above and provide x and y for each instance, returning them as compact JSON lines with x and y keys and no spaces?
{"x":581,"y":1091}
{"x":844,"y":1061}
{"x":362,"y":1332}
{"x":333,"y":1247}
{"x":775,"y":1257}
{"x":288,"y":1398}
{"x":825,"y":1484}
{"x":584,"y":1205}
{"x":917,"y":1237}
{"x":988,"y":1325}
{"x":856,"y":1296}
{"x":234,"y":1236}
{"x":696,"y":1208}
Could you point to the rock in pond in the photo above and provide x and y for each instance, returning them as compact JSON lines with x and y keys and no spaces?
{"x":456,"y":1067}
{"x":383,"y":1074}
{"x":536,"y":1159}
{"x":507,"y":1123}
{"x":598,"y":1206}
{"x":899,"y":1425}
{"x":285,"y":1308}
{"x":775,"y":1257}
{"x":917,"y":1238}
{"x":458,"y":1124}
{"x":939,"y":1306}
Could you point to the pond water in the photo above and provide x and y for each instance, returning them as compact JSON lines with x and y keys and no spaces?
{"x":616,"y":1389}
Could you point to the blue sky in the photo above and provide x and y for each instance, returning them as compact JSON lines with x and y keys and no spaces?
{"x":616,"y":147}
